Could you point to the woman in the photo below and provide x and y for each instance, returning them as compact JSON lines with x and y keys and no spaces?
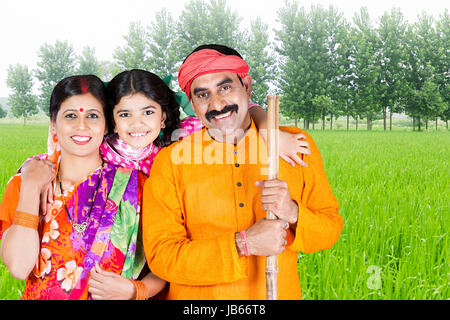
{"x":92,"y":224}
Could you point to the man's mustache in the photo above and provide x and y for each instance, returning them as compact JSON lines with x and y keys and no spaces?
{"x":210,"y":114}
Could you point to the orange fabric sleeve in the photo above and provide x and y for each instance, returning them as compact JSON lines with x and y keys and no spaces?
{"x":9,"y":203}
{"x":319,"y":223}
{"x":170,"y":253}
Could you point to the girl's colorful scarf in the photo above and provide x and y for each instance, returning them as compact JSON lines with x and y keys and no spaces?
{"x":117,"y":151}
{"x":110,"y":239}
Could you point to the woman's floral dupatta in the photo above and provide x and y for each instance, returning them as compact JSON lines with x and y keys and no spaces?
{"x":110,"y":239}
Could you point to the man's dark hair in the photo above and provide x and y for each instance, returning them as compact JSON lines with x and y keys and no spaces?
{"x":218,"y":47}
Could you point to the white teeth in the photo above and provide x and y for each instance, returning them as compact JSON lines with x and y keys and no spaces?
{"x":138,"y":134}
{"x":81,"y":139}
{"x":223,"y":115}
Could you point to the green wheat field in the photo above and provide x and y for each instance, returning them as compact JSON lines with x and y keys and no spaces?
{"x":393,"y":190}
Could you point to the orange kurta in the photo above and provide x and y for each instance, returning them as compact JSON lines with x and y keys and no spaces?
{"x":200,"y":192}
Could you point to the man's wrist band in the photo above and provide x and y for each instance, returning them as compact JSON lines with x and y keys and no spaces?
{"x":244,"y":242}
{"x":26,"y":219}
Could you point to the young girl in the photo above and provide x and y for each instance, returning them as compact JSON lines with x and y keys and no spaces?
{"x":92,"y":223}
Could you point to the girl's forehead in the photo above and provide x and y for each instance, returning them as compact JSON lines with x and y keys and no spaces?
{"x":136,"y":101}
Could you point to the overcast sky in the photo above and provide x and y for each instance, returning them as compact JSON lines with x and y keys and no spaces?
{"x":27,"y":24}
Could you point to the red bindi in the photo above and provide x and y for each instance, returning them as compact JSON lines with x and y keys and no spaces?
{"x":81,"y":109}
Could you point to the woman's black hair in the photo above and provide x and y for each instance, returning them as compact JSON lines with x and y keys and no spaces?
{"x":140,"y":81}
{"x":76,"y":85}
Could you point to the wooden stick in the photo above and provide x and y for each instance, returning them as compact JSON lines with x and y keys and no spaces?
{"x":272,"y":157}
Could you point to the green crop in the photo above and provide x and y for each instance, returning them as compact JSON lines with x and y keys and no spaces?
{"x":393,"y":191}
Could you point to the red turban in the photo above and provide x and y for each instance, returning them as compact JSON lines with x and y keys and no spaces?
{"x":208,"y":61}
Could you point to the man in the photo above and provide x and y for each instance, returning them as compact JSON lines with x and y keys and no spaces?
{"x":204,"y":204}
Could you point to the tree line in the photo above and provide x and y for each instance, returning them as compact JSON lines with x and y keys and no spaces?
{"x":322,"y":64}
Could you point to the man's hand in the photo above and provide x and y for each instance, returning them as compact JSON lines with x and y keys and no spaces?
{"x":104,"y":285}
{"x":275,"y":197}
{"x":264,"y":238}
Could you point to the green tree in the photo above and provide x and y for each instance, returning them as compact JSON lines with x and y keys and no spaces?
{"x":88,"y":63}
{"x":391,"y":33}
{"x":261,"y":62}
{"x":23,"y":103}
{"x":341,"y":86}
{"x":314,"y":51}
{"x":431,"y":100}
{"x":109,"y":70}
{"x":427,"y":102}
{"x":207,"y":22}
{"x":421,"y":62}
{"x":445,"y":115}
{"x":3,"y":112}
{"x":162,"y":44}
{"x":134,"y":54}
{"x":443,"y":67}
{"x":338,"y":63}
{"x":318,"y":71}
{"x":322,"y":103}
{"x":365,"y":70}
{"x":55,"y":63}
{"x":293,"y":49}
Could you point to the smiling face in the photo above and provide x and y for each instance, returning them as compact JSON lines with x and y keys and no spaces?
{"x":80,"y":125}
{"x":138,"y":120}
{"x":220,"y":101}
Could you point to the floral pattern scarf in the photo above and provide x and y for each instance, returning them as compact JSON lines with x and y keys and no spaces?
{"x":110,"y":239}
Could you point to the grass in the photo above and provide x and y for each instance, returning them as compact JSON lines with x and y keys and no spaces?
{"x":393,"y":190}
{"x":17,"y":142}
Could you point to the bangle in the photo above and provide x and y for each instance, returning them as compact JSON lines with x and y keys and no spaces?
{"x":244,"y":242}
{"x":26,"y":219}
{"x":141,"y":290}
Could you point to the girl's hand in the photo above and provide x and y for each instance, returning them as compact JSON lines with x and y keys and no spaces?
{"x":104,"y":285}
{"x":37,"y":173}
{"x":46,"y":198}
{"x":290,"y":145}
{"x":40,"y":173}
